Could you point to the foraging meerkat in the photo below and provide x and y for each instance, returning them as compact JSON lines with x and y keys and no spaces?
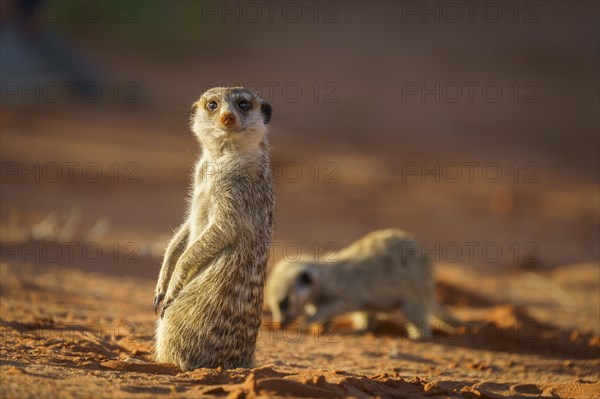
{"x":213,"y":274}
{"x":380,"y":272}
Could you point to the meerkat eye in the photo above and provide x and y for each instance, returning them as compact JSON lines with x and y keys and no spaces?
{"x":212,"y":105}
{"x":244,"y":105}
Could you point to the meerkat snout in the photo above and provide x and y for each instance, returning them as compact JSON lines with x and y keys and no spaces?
{"x":228,"y":119}
{"x":290,"y":290}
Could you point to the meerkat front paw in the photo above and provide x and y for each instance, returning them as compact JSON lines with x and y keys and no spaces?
{"x":165,"y":304}
{"x":158,"y":298}
{"x":168,"y":298}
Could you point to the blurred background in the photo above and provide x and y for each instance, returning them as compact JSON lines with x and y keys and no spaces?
{"x":473,"y":126}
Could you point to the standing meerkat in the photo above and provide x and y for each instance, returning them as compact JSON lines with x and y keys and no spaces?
{"x":381,"y":272}
{"x":213,"y":274}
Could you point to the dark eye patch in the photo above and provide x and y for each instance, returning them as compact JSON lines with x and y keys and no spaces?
{"x":305,"y":278}
{"x":244,"y":105}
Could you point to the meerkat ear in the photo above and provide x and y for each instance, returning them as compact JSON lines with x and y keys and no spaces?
{"x":266,"y":110}
{"x":194,"y":107}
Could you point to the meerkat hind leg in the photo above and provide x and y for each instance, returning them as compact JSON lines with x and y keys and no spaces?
{"x":418,"y":324}
{"x":364,"y":321}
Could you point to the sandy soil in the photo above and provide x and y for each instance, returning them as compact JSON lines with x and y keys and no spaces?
{"x":69,"y":333}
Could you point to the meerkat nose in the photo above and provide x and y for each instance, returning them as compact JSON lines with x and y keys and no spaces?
{"x":228,"y":119}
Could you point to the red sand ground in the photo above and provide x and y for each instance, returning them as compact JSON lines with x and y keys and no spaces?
{"x":67,"y":333}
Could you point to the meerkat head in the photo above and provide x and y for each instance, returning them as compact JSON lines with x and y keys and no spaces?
{"x":290,"y":288}
{"x":230,"y":115}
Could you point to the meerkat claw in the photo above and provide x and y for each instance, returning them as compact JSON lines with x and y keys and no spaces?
{"x":157,"y":300}
{"x":164,"y":307}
